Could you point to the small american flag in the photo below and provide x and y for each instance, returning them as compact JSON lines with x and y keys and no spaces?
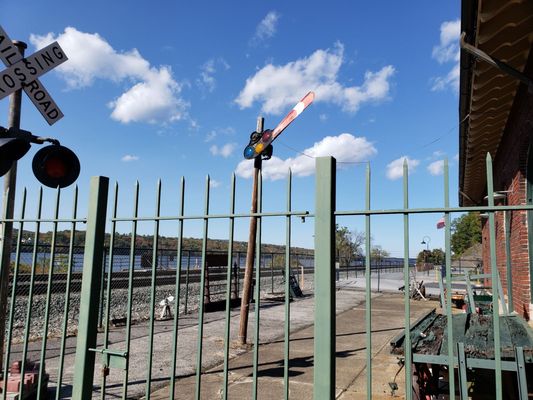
{"x":441,"y":223}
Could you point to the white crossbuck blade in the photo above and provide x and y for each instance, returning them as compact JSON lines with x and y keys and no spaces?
{"x":258,"y":144}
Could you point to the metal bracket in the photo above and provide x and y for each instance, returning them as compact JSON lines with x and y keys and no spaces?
{"x":113,"y":358}
{"x":26,"y":135}
{"x":497,"y":63}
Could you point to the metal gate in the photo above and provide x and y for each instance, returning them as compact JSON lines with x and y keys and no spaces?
{"x":102,"y":363}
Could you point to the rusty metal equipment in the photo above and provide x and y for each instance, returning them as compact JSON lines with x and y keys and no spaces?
{"x":474,"y":355}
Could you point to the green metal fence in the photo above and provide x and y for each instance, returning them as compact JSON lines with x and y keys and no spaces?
{"x":453,"y":355}
{"x":119,"y":358}
{"x":100,"y":358}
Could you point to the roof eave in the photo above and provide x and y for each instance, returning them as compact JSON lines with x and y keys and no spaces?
{"x":468,"y":25}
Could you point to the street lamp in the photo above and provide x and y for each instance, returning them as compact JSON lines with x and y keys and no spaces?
{"x":426,"y":240}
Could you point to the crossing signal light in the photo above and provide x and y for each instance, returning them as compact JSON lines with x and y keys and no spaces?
{"x":11,"y":149}
{"x":56,"y":166}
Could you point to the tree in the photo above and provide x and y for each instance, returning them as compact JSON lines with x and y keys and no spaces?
{"x":378,"y":253}
{"x":466,"y":231}
{"x":435,"y":256}
{"x":349,"y":244}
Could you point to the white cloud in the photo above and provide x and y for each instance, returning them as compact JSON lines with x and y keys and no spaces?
{"x":129,"y":158}
{"x":448,"y":48}
{"x":154,"y":97}
{"x":323,"y":117}
{"x":266,"y":29}
{"x":224,"y":151}
{"x":280,"y":87}
{"x":213,"y":183}
{"x":210,"y":136}
{"x":193,"y":124}
{"x":451,"y":80}
{"x":345,"y":148}
{"x":395,"y":168}
{"x":436,"y":167}
{"x":153,"y":100}
{"x":448,"y":51}
{"x":226,"y":131}
{"x":207,"y":80}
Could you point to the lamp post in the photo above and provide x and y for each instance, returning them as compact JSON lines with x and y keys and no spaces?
{"x":426,"y":240}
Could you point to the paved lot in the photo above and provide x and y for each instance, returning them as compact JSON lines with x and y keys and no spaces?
{"x":387,"y":321}
{"x":387,"y":317}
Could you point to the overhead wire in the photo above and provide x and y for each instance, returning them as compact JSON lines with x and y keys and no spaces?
{"x":368,"y":161}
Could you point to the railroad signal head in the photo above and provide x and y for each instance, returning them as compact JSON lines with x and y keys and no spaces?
{"x":56,"y":166}
{"x":260,"y":143}
{"x":11,"y":149}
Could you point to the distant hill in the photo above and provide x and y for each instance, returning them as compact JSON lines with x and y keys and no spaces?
{"x":146,"y":242}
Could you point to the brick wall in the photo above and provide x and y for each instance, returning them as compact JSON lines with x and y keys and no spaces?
{"x":510,"y":174}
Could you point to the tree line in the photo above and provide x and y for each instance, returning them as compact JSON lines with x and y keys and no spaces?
{"x":123,"y":240}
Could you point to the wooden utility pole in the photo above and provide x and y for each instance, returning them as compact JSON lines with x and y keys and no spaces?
{"x":10,"y":181}
{"x":250,"y":253}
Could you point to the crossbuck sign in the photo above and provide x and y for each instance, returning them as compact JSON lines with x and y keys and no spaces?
{"x":23,"y":73}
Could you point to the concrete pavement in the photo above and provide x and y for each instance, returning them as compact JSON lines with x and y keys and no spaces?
{"x":387,"y":321}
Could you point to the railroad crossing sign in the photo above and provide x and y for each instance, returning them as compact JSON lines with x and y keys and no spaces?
{"x":23,"y":73}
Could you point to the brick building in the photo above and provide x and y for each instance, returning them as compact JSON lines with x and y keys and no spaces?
{"x":496,"y":114}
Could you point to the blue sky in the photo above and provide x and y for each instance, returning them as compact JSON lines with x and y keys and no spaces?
{"x":163,"y":91}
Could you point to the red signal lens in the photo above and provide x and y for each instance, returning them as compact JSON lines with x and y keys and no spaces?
{"x":55,"y":167}
{"x":266,"y":136}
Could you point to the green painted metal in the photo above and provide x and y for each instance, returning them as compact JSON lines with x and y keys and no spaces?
{"x":324,"y":373}
{"x":406,"y":279}
{"x":287,"y":325}
{"x":32,"y":284}
{"x":521,"y":373}
{"x":90,"y":291}
{"x":48,"y":295}
{"x":152,"y":294}
{"x":471,"y":362}
{"x":179,"y":252}
{"x":272,"y":275}
{"x":462,"y":371}
{"x":113,"y":358}
{"x":447,"y":249}
{"x":102,"y":294}
{"x":108,"y":288}
{"x":324,"y":331}
{"x":228,"y":290}
{"x":508,"y":261}
{"x":13,"y":292}
{"x":368,"y":294}
{"x":202,"y":294}
{"x":215,"y":216}
{"x":434,"y":210}
{"x":495,"y":278}
{"x":501,"y":298}
{"x":130,"y":283}
{"x":185,"y":309}
{"x":257,"y":294}
{"x":2,"y":249}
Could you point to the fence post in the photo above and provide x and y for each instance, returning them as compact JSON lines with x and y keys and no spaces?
{"x":90,"y":289}
{"x":324,"y":369}
{"x":102,"y":290}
